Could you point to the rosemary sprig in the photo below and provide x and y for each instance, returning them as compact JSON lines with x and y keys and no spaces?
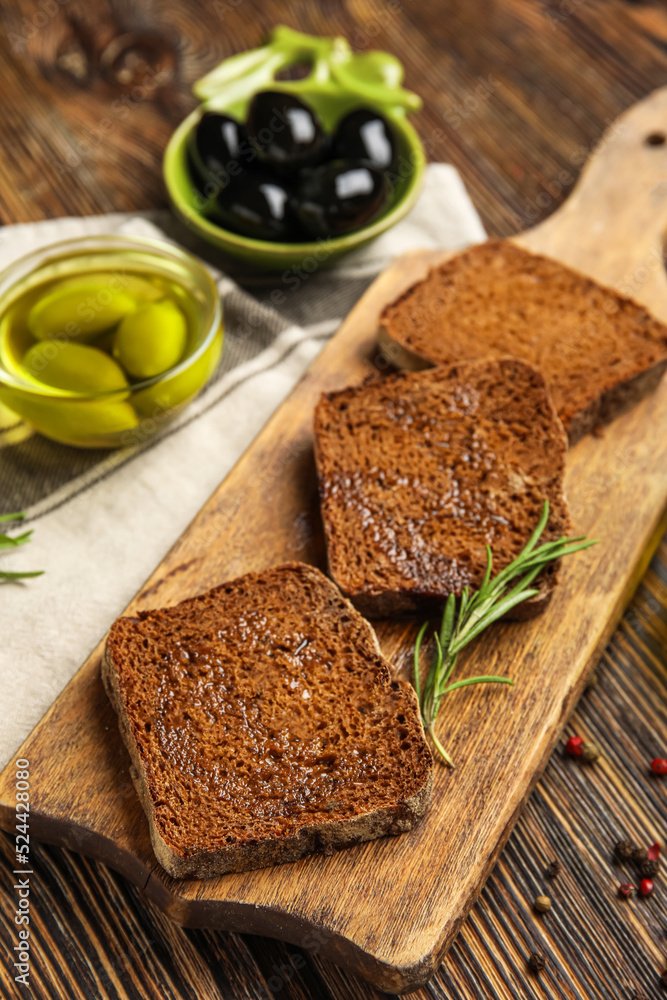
{"x":13,"y":542}
{"x":463,"y":621}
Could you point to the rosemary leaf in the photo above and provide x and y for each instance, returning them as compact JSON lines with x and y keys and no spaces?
{"x":475,"y":612}
{"x":496,"y":612}
{"x":13,"y":542}
{"x":418,"y":646}
{"x":483,"y":679}
{"x":6,"y":575}
{"x":448,"y":622}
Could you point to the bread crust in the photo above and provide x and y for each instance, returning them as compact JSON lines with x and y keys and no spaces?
{"x":616,"y":401}
{"x":394,"y":604}
{"x":598,"y":410}
{"x":326,"y":837}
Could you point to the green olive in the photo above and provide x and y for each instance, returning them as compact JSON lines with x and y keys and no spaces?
{"x":73,"y":367}
{"x":130,"y":284}
{"x":158,"y":401}
{"x":151,"y":340}
{"x":79,"y":311}
{"x":81,"y":422}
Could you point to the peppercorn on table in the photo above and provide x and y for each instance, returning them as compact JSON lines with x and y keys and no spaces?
{"x":515,"y":99}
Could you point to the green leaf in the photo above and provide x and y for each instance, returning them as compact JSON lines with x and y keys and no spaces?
{"x":418,"y":646}
{"x":498,"y":611}
{"x":489,"y":566}
{"x":12,"y":517}
{"x":452,"y":658}
{"x":447,"y":626}
{"x":483,"y":679}
{"x":495,"y":597}
{"x":466,"y":605}
{"x":433,"y":673}
{"x":5,"y":575}
{"x":13,"y":542}
{"x":536,"y":535}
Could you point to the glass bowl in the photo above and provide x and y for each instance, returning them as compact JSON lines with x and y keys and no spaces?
{"x":115,"y":417}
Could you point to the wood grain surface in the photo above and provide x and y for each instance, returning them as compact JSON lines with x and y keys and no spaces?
{"x":556,"y":75}
{"x":424,"y":882}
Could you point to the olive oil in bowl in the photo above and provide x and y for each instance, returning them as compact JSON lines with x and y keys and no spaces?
{"x":104,"y":340}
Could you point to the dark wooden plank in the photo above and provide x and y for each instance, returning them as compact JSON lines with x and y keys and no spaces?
{"x":558,"y":86}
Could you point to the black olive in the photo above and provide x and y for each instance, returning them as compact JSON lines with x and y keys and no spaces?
{"x":285,"y":132}
{"x":365,"y":135}
{"x":217,"y":149}
{"x":340,"y":197}
{"x":258,"y":205}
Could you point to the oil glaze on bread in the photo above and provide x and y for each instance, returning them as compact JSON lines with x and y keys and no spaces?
{"x":599,"y":352}
{"x":263,"y":724}
{"x":420,"y":471}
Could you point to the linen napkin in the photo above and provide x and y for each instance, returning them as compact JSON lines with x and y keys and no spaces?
{"x":103,"y":520}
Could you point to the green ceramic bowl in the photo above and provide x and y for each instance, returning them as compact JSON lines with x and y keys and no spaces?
{"x":338,"y":82}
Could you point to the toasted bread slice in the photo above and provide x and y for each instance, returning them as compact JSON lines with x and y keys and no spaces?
{"x":263,"y":724}
{"x":419,"y":472}
{"x":599,"y":352}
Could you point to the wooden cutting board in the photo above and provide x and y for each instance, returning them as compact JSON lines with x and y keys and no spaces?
{"x":389,"y":909}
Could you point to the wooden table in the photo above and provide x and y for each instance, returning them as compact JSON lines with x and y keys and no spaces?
{"x":515,"y":95}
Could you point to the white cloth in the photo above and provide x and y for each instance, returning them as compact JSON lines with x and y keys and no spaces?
{"x":99,"y":534}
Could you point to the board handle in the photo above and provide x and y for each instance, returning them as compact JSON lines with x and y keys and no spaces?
{"x":614,"y":224}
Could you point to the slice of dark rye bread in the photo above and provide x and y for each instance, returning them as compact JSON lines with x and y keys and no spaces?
{"x":599,"y":352}
{"x":263,"y":724}
{"x":420,"y":471}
